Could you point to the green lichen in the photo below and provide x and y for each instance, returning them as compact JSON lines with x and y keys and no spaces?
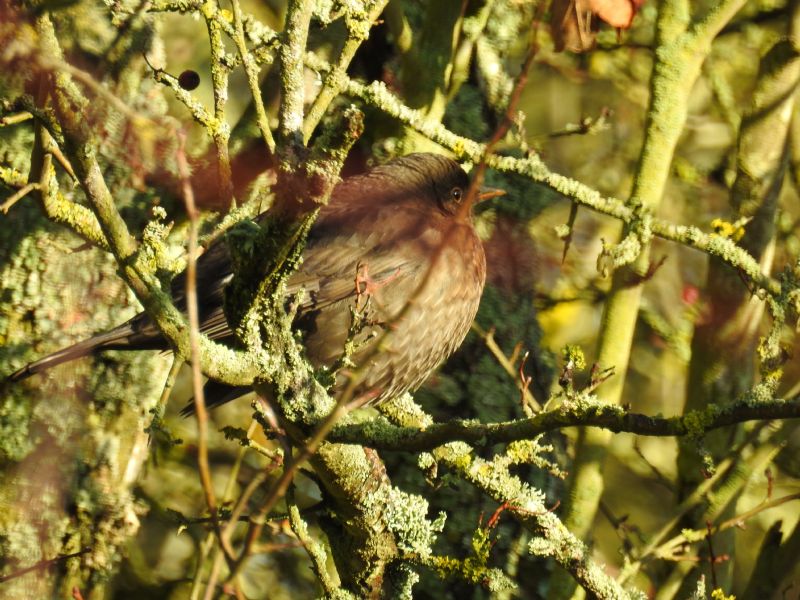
{"x":718,"y":594}
{"x":426,"y":461}
{"x":697,"y":421}
{"x":472,"y":571}
{"x":694,"y":535}
{"x":405,"y":516}
{"x":475,"y":568}
{"x":530,"y":452}
{"x":400,"y":581}
{"x":573,"y":357}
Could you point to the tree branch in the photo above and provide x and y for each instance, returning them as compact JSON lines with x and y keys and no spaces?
{"x":217,"y":361}
{"x":382,"y":436}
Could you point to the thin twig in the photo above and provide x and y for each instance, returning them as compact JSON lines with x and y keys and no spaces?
{"x":55,"y":150}
{"x":251,"y":69}
{"x":208,"y":542}
{"x":280,"y":486}
{"x":507,"y":364}
{"x":508,"y":117}
{"x":194,"y":341}
{"x":659,"y":476}
{"x":169,"y":382}
{"x":19,"y":117}
{"x":42,"y":564}
{"x":313,"y":548}
{"x":241,"y":503}
{"x":524,"y":386}
{"x":18,"y":195}
{"x":712,"y":559}
{"x":735,"y":521}
{"x":265,"y":413}
{"x":213,"y":576}
{"x":194,"y":326}
{"x":358,"y":28}
{"x":156,"y":425}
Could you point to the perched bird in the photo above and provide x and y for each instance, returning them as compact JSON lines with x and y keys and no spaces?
{"x":397,"y":244}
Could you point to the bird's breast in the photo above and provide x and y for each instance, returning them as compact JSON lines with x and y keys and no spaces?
{"x":435,"y":317}
{"x":416,"y":281}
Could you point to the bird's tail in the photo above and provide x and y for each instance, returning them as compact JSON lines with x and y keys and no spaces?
{"x":117,"y":338}
{"x":216,"y":394}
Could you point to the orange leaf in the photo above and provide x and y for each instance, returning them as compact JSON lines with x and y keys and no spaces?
{"x":617,"y":13}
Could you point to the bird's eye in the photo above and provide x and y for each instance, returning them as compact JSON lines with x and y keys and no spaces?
{"x":456,"y":194}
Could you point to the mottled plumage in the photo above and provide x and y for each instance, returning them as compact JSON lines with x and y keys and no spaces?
{"x":385,"y":228}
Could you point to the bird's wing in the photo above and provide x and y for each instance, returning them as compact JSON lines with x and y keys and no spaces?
{"x":327,"y":278}
{"x":324,"y":287}
{"x":341,"y":245}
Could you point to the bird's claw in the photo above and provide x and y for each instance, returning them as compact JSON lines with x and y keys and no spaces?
{"x":366,"y":286}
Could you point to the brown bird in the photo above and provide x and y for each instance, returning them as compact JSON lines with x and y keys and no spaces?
{"x":396,"y":243}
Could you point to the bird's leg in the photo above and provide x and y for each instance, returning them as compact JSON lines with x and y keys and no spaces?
{"x":366,"y":286}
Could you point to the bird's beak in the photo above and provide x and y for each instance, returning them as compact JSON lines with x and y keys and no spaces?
{"x":489,"y":193}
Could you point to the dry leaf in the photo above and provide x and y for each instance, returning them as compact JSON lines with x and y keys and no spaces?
{"x":574,"y":23}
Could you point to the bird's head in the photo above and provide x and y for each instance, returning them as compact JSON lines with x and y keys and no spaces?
{"x":446,"y":180}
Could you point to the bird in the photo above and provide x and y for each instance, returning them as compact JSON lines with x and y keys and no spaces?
{"x":395,"y":246}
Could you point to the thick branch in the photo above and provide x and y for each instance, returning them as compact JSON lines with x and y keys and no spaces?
{"x":219,"y":77}
{"x":298,"y":17}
